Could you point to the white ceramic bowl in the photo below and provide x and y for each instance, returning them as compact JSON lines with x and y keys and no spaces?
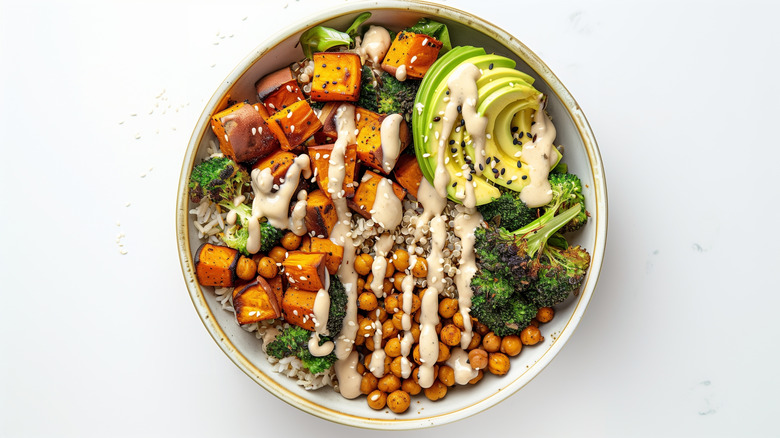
{"x":581,"y":154}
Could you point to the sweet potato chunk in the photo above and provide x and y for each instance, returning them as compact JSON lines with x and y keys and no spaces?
{"x":320,"y":158}
{"x":256,"y":302}
{"x":408,"y":174}
{"x":320,"y":214}
{"x":365,"y":195}
{"x":273,"y":81}
{"x":336,"y":77}
{"x":277,"y":286}
{"x":216,"y":265}
{"x":283,"y":97}
{"x":294,"y":124}
{"x":279,"y":161}
{"x":305,"y":270}
{"x":298,"y":307}
{"x":364,"y":117}
{"x":369,"y":142}
{"x":334,"y":253}
{"x":415,"y":51}
{"x":243,"y":133}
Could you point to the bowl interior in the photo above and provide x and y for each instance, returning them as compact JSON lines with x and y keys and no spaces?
{"x":581,"y":154}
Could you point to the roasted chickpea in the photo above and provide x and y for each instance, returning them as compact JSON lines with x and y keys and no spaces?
{"x":360,"y":368}
{"x":511,"y":345}
{"x":410,"y":386}
{"x":480,"y":375}
{"x":377,"y":399}
{"x":420,"y":268}
{"x":387,"y":286}
{"x":476,"y":339}
{"x":448,"y":307}
{"x":367,"y":301}
{"x":498,"y":363}
{"x":363,"y":264}
{"x":278,"y":254}
{"x":447,"y":375}
{"x":450,"y":335}
{"x":290,"y":241}
{"x":398,"y":320}
{"x":369,"y":343}
{"x":388,"y":330}
{"x":369,"y":281}
{"x":530,"y":335}
{"x":534,"y":322}
{"x":389,"y":383}
{"x":478,"y":359}
{"x":393,"y":347}
{"x":457,"y":319}
{"x":444,"y":352}
{"x":390,"y":269}
{"x":545,"y":314}
{"x":398,"y":401}
{"x":397,"y":367}
{"x":480,"y":328}
{"x":378,"y":315}
{"x":401,"y":259}
{"x":368,"y":383}
{"x":361,"y":283}
{"x":491,"y":342}
{"x":365,"y":328}
{"x":416,"y":332}
{"x":246,"y":269}
{"x":392,"y":303}
{"x":266,"y":267}
{"x":437,"y":391}
{"x":416,"y":354}
{"x":398,"y":280}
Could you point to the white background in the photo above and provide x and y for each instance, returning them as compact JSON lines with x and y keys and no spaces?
{"x":97,"y":103}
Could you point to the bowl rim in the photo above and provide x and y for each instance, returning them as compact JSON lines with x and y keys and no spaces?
{"x":518,"y":49}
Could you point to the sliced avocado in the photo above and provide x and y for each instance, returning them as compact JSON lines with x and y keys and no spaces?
{"x":505,"y":96}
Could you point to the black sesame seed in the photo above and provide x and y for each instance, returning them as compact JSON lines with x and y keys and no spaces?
{"x":481,"y":167}
{"x":533,"y":123}
{"x":488,"y":160}
{"x":324,"y":65}
{"x":495,"y":171}
{"x":460,"y":108}
{"x":447,"y":92}
{"x":436,"y":119}
{"x":515,"y":141}
{"x":490,"y":67}
{"x":519,"y":164}
{"x":338,"y":67}
{"x":503,"y":169}
{"x":454,"y":184}
{"x":509,"y":182}
{"x":514,"y":129}
{"x":534,"y":139}
{"x":528,"y":134}
{"x":463,"y":144}
{"x":468,"y":177}
{"x":462,"y":122}
{"x":525,"y":176}
{"x":454,"y":150}
{"x":452,"y":141}
{"x":496,"y":159}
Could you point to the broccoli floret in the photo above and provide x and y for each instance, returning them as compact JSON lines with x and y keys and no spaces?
{"x":338,"y":307}
{"x":294,"y":341}
{"x":567,"y":191}
{"x":384,"y":94}
{"x":519,"y":273}
{"x":218,"y":178}
{"x":236,"y":237}
{"x":508,"y":211}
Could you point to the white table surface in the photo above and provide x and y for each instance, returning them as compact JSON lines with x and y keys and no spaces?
{"x":99,"y":100}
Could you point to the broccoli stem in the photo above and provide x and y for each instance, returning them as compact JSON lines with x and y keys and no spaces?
{"x":540,"y":230}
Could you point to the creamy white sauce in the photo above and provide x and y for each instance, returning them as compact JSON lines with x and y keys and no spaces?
{"x":462,"y":84}
{"x":459,"y":362}
{"x":390,"y":140}
{"x":274,"y":205}
{"x":321,"y":312}
{"x":377,"y":364}
{"x":382,"y":247}
{"x":298,"y":215}
{"x":538,"y":156}
{"x":349,"y":378}
{"x":387,"y":210}
{"x":466,"y":222}
{"x":374,"y":45}
{"x":400,"y":73}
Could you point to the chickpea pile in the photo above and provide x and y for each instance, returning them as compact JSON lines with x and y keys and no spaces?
{"x":486,"y":351}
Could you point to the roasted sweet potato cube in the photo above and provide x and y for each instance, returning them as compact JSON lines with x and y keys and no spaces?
{"x":305,"y":270}
{"x":273,"y":81}
{"x":336,"y":77}
{"x":408,"y":173}
{"x":283,"y":97}
{"x":334,"y":253}
{"x":327,"y":117}
{"x":277,"y":286}
{"x":320,"y":159}
{"x":215,"y":265}
{"x":320,"y":214}
{"x":369,"y":143}
{"x":298,"y":307}
{"x":256,"y":302}
{"x":243,"y":133}
{"x":364,"y":117}
{"x":415,"y":51}
{"x":278,"y":162}
{"x":294,"y":124}
{"x":365,"y":195}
